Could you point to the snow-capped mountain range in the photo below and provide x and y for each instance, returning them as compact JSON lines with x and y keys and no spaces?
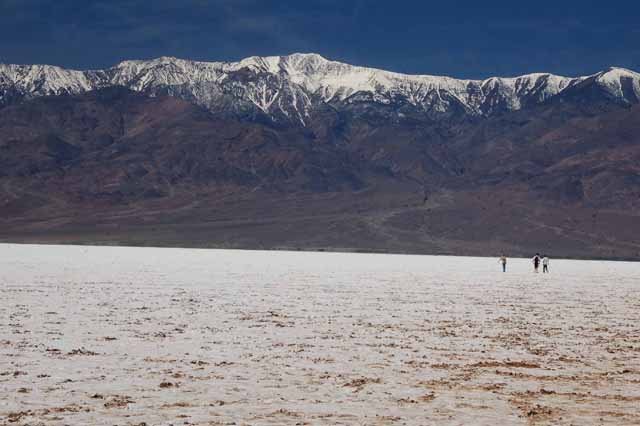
{"x":294,"y":87}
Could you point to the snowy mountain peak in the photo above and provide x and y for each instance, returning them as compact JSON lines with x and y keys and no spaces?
{"x":291,"y":87}
{"x":43,"y":79}
{"x":620,"y":83}
{"x":614,"y":74}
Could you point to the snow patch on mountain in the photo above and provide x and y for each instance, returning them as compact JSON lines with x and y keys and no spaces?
{"x":619,"y":81}
{"x":44,"y":79}
{"x":290,"y":87}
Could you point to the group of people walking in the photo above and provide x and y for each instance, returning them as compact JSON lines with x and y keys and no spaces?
{"x":537,"y":260}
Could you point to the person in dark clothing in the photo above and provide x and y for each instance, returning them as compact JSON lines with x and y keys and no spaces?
{"x":536,"y":262}
{"x":503,"y":262}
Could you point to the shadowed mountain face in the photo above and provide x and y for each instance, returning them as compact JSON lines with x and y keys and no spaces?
{"x":117,"y":166}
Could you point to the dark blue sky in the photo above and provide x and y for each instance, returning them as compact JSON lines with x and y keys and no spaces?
{"x":472,"y":39}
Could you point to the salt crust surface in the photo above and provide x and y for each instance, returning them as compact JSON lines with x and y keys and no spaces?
{"x":126,"y":336}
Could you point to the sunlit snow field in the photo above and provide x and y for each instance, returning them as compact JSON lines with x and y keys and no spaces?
{"x":126,"y":336}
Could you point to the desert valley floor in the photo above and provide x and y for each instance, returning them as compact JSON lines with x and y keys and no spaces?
{"x":141,"y":336}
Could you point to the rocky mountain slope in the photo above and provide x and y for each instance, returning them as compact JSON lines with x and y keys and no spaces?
{"x":301,"y":152}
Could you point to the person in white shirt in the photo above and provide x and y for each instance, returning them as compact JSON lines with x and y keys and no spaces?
{"x":545,"y":264}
